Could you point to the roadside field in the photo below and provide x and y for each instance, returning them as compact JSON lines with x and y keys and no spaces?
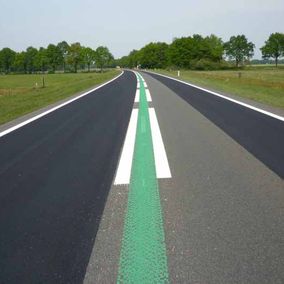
{"x":265,"y":85}
{"x":21,"y":94}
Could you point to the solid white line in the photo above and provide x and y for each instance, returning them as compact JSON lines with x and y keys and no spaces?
{"x":124,"y":169}
{"x":161,"y":160}
{"x":137,"y":95}
{"x":225,"y":97}
{"x":5,"y":132}
{"x":148,"y":95}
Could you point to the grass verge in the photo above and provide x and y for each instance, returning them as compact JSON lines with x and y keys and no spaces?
{"x":265,"y":85}
{"x":22,"y":94}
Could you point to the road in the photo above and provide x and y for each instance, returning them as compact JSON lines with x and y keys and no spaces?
{"x":167,"y":183}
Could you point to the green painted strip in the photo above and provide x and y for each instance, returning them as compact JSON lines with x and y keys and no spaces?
{"x":143,"y":256}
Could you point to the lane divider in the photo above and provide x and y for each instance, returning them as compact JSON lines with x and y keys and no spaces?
{"x":125,"y":164}
{"x":143,"y":257}
{"x":148,"y":95}
{"x":137,"y":95}
{"x":161,"y":161}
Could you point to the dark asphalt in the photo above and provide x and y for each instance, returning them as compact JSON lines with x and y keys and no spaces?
{"x":55,"y":174}
{"x":261,"y":135}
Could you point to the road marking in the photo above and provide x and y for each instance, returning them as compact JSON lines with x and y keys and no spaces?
{"x":226,"y":98}
{"x":148,"y":95}
{"x":125,"y":163}
{"x":143,"y":257}
{"x":13,"y":128}
{"x":137,"y":95}
{"x":161,"y":160}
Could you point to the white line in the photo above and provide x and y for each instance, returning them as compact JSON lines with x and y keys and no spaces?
{"x":5,"y":132}
{"x":161,"y":160}
{"x":148,"y":95}
{"x":124,"y":169}
{"x":226,"y":98}
{"x":137,"y":95}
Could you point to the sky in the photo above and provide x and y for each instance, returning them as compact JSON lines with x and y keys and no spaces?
{"x":126,"y":24}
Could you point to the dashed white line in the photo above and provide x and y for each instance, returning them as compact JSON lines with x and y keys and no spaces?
{"x":137,"y":95}
{"x":161,"y":160}
{"x":148,"y":95}
{"x":124,"y":168}
{"x":123,"y":173}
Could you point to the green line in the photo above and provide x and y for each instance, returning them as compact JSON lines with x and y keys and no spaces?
{"x":143,"y":256}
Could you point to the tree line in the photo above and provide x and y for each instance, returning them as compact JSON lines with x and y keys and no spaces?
{"x":193,"y":52}
{"x":62,"y":56}
{"x":202,"y":53}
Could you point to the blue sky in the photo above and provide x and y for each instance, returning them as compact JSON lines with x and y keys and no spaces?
{"x":125,"y":25}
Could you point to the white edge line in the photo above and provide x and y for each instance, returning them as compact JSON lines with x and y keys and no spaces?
{"x":5,"y":132}
{"x":125,"y":163}
{"x":224,"y":97}
{"x":161,"y":160}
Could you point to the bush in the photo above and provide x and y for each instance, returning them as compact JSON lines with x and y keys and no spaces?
{"x":207,"y":65}
{"x":204,"y":64}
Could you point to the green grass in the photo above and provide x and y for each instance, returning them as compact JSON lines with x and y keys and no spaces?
{"x":261,"y":84}
{"x":19,"y":94}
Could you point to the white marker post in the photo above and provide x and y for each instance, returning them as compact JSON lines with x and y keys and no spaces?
{"x":178,"y":73}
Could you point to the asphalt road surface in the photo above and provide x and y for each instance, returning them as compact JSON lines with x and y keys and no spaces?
{"x":144,"y":180}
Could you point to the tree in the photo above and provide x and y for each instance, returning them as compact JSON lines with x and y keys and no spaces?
{"x":20,"y":63}
{"x":41,"y":60}
{"x":30,"y":59}
{"x":132,"y":60}
{"x":63,"y":47}
{"x":239,"y":49}
{"x":181,"y":52}
{"x":214,"y":48}
{"x":103,"y":57}
{"x":88,"y":56}
{"x":75,"y":55}
{"x":54,"y":55}
{"x":7,"y":57}
{"x":274,"y":47}
{"x":154,"y":55}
